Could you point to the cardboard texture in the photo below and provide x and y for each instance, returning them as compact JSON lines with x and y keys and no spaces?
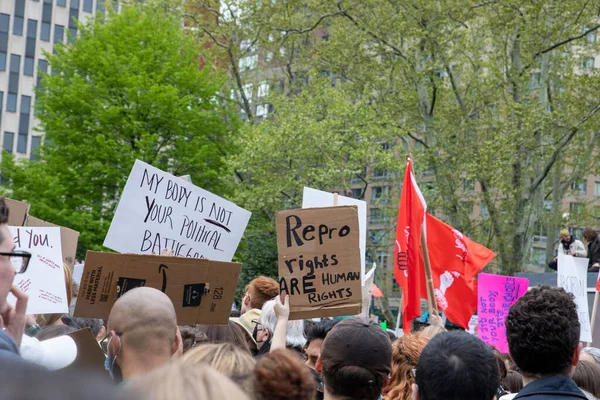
{"x":17,"y":212}
{"x":69,"y":239}
{"x":201,"y":290}
{"x":159,"y":211}
{"x":90,"y":356}
{"x":319,"y":261}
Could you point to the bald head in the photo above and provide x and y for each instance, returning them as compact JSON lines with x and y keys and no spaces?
{"x":147,"y":319}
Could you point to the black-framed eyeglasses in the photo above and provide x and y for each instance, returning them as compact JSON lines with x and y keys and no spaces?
{"x":104,"y":342}
{"x":19,"y":260}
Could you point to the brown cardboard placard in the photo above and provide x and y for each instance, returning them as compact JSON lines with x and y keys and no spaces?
{"x":17,"y":211}
{"x":89,"y":354}
{"x":68,"y":238}
{"x":319,"y":261}
{"x":201,"y":290}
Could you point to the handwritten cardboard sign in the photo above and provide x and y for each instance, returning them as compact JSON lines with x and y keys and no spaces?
{"x":44,"y":280}
{"x":68,"y":237}
{"x":312,"y":198}
{"x":319,"y":261}
{"x":159,"y":211}
{"x":201,"y":290}
{"x":17,"y":212}
{"x":496,"y":293}
{"x":572,"y":276}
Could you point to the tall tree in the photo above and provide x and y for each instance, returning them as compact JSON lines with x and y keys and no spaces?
{"x":129,"y":88}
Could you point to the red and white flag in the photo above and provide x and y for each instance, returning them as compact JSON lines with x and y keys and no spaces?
{"x":598,"y":283}
{"x":408,"y":264}
{"x":455,"y":261}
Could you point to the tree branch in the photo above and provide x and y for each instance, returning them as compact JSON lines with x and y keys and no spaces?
{"x":568,"y":40}
{"x":312,"y":28}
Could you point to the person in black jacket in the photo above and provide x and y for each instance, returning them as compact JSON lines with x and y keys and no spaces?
{"x":542,"y":329}
{"x":591,"y":238}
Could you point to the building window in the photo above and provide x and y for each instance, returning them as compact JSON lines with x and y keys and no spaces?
{"x":483,"y":210}
{"x":379,"y":237}
{"x":377,"y":216}
{"x":45,"y":32}
{"x":100,"y":6}
{"x":18,"y":26}
{"x":576,"y":208}
{"x":248,"y":63}
{"x":35,"y":143}
{"x":382,"y":257}
{"x":580,"y":186}
{"x":538,"y":256}
{"x":88,"y":6}
{"x":28,"y":66}
{"x":587,"y":63}
{"x":248,"y":91}
{"x":11,"y":103}
{"x":2,"y":61}
{"x":61,"y":3}
{"x":72,"y":36}
{"x":379,"y":174}
{"x":356,"y":193}
{"x":4,"y":23}
{"x":8,"y":141}
{"x":59,"y":33}
{"x":262,"y":110}
{"x":263,"y":89}
{"x":22,"y":143}
{"x":597,"y":189}
{"x":380,"y":194}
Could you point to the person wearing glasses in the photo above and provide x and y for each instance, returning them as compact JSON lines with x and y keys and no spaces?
{"x":142,"y":334}
{"x":12,"y":317}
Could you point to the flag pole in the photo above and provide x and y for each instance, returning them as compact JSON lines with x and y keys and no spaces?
{"x":430,"y":291}
{"x":594,"y":311}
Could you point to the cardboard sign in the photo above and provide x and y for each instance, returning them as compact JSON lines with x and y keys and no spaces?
{"x":496,"y":293}
{"x":572,"y":276}
{"x":319,"y":261}
{"x":69,"y":239}
{"x":90,"y":356}
{"x":312,"y":198}
{"x":201,"y":290}
{"x":159,"y":211}
{"x":44,"y":280}
{"x":17,"y":212}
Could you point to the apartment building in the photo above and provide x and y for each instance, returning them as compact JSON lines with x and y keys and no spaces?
{"x":28,"y":30}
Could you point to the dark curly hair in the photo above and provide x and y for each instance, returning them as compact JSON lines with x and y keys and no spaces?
{"x":542,"y":329}
{"x":281,"y":375}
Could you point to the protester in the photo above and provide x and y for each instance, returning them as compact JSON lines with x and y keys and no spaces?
{"x":180,"y":382}
{"x":542,"y":329}
{"x":456,"y":365}
{"x":294,"y":337}
{"x":230,"y":333}
{"x":593,"y":242}
{"x":591,"y":354}
{"x":502,"y":371}
{"x":191,"y":337}
{"x":142,"y":333}
{"x":355,"y":361}
{"x":568,"y":245}
{"x":513,"y":382}
{"x":587,"y":377}
{"x":228,"y":359}
{"x":314,"y":340}
{"x":405,"y":355}
{"x":281,"y":375}
{"x":96,"y":325}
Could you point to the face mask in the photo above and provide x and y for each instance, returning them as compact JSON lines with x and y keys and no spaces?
{"x":113,"y":369}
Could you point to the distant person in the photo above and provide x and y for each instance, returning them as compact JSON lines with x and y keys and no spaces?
{"x":568,"y":245}
{"x":294,"y":339}
{"x":314,"y":340}
{"x":192,"y":337}
{"x":356,"y":360}
{"x":230,"y":333}
{"x":542,"y":329}
{"x":405,"y":356}
{"x":281,"y":375}
{"x":513,"y":382}
{"x":142,"y":334}
{"x":593,"y":242}
{"x":587,"y":377}
{"x":591,"y":354}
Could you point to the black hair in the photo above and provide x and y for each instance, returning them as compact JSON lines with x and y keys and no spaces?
{"x":53,"y":331}
{"x":542,"y":329}
{"x":457,"y":365}
{"x":320,"y":329}
{"x":81,"y":323}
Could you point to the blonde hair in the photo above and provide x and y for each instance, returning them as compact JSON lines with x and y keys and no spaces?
{"x":227,"y":358}
{"x":51,"y":319}
{"x":183,"y":381}
{"x":405,"y":355}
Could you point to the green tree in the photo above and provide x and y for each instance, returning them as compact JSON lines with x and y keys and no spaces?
{"x":129,"y":88}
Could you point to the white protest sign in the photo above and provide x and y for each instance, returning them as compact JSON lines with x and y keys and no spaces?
{"x":473,"y":324}
{"x":312,"y":198}
{"x":159,"y":211}
{"x":44,"y":280}
{"x":367,"y":292}
{"x":572,"y":276}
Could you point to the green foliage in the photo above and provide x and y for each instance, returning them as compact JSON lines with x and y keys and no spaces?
{"x":129,"y":88}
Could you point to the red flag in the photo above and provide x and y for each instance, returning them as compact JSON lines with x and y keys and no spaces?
{"x":408,"y":264}
{"x":455,"y":261}
{"x":598,"y":283}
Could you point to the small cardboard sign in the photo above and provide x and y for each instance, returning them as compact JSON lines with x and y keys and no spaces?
{"x":319,"y":261}
{"x":572,"y":276}
{"x":201,"y":290}
{"x":17,"y":212}
{"x":495,"y":295}
{"x":69,"y":239}
{"x":90,"y":356}
{"x":44,"y":280}
{"x":159,"y":211}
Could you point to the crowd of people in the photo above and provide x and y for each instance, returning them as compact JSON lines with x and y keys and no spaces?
{"x":261,"y":354}
{"x":569,"y":245}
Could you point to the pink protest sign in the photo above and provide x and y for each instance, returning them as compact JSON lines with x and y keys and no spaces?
{"x":496,"y":293}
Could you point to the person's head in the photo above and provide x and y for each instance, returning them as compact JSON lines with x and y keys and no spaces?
{"x":228,"y":359}
{"x":456,"y":365}
{"x":314,"y":340}
{"x":565,"y":236}
{"x":7,"y":245}
{"x":268,"y":320}
{"x":587,"y":377}
{"x":589,"y":235}
{"x":179,"y":381}
{"x":356,"y":359}
{"x":192,"y":337}
{"x":591,"y":354}
{"x":542,"y":329}
{"x":405,"y":355}
{"x":258,"y":292}
{"x":230,"y":333}
{"x":96,"y":325}
{"x":281,"y":375}
{"x":513,"y":382}
{"x":142,"y":333}
{"x":502,"y":371}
